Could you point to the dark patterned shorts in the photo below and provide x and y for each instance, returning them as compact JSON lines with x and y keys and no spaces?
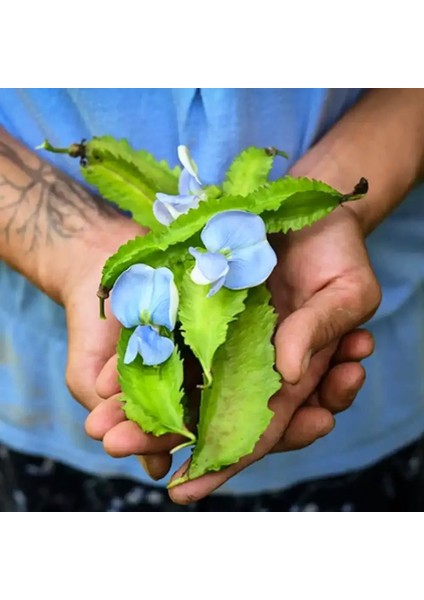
{"x":29,"y":483}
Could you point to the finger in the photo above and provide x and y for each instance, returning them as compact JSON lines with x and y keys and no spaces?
{"x":81,"y":381}
{"x":312,"y":400}
{"x":308,"y":424}
{"x":341,"y":385}
{"x":357,"y":345}
{"x":127,"y":438}
{"x":107,"y":382}
{"x":104,"y":417}
{"x":92,"y":342}
{"x":329,"y":314}
{"x":107,"y":415}
{"x":283,"y":405}
{"x":157,"y":465}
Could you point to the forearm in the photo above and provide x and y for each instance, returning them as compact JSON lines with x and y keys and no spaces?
{"x":50,"y":227}
{"x":382,"y":139}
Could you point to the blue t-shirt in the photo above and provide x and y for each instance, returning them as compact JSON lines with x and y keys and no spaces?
{"x":38,"y":415}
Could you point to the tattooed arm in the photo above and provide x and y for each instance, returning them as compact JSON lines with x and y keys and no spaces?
{"x":50,"y":227}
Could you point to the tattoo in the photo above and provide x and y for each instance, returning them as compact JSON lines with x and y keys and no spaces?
{"x":39,"y":204}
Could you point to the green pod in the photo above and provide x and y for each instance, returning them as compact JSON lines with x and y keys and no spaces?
{"x":234,"y":411}
{"x":249,"y":170}
{"x":205,"y":320}
{"x":153,"y":396}
{"x":129,"y":178}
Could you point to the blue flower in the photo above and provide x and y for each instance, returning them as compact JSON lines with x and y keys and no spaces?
{"x":238,"y":253}
{"x":147,"y":299}
{"x":167,"y":208}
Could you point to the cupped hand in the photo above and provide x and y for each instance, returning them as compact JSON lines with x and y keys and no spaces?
{"x":91,"y":341}
{"x":323,"y":288}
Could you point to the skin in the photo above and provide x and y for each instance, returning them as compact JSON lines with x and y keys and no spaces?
{"x":324,"y":287}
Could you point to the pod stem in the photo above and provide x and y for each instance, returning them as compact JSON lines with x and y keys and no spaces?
{"x":74,"y":150}
{"x":181,"y":446}
{"x":360,"y":189}
{"x":207,"y":380}
{"x":102,"y":313}
{"x":46,"y":145}
{"x":271,"y":151}
{"x":102,"y":294}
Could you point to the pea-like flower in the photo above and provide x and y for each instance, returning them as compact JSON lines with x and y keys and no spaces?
{"x":166,"y":207}
{"x":238,"y":253}
{"x":147,"y":299}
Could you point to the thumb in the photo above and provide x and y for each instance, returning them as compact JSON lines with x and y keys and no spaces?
{"x":91,"y":343}
{"x":333,"y":311}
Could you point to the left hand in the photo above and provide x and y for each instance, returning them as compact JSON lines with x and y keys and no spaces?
{"x":323,"y":288}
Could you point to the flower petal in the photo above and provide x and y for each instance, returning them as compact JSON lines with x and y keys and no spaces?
{"x":178,"y":201}
{"x":195,"y":187}
{"x":132,"y":293}
{"x":153,"y":348}
{"x":167,"y":208}
{"x":188,"y":184}
{"x":209,"y":267}
{"x":216,"y":286}
{"x":187,"y":162}
{"x":164,"y":302}
{"x":132,"y":348}
{"x":164,"y":213}
{"x":250,"y":266}
{"x":232,"y":229}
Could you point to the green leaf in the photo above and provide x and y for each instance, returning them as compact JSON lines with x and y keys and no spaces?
{"x":300,"y":210}
{"x":157,"y":246}
{"x":127,"y":177}
{"x":267,"y":198}
{"x":158,"y":174}
{"x":248,"y":171}
{"x":119,"y":183}
{"x":279,"y":192}
{"x":205,"y":320}
{"x":138,"y":251}
{"x":234,"y":411}
{"x":313,"y":201}
{"x":293,"y":203}
{"x":152,"y":395}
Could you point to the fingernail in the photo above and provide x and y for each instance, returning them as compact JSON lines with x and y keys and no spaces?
{"x":305,"y":362}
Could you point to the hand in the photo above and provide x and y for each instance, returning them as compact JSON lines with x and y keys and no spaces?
{"x":335,"y":387}
{"x":91,"y":341}
{"x":91,"y":366}
{"x":123,"y":438}
{"x":323,"y":287}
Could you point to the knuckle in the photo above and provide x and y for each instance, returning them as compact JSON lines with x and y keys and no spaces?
{"x":370,"y":296}
{"x":75,"y":383}
{"x":375,"y":294}
{"x":80,"y":387}
{"x":364,"y":297}
{"x":71,"y":381}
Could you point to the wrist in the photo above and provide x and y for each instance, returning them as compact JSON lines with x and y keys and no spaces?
{"x":365,"y":143}
{"x":84,"y":256}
